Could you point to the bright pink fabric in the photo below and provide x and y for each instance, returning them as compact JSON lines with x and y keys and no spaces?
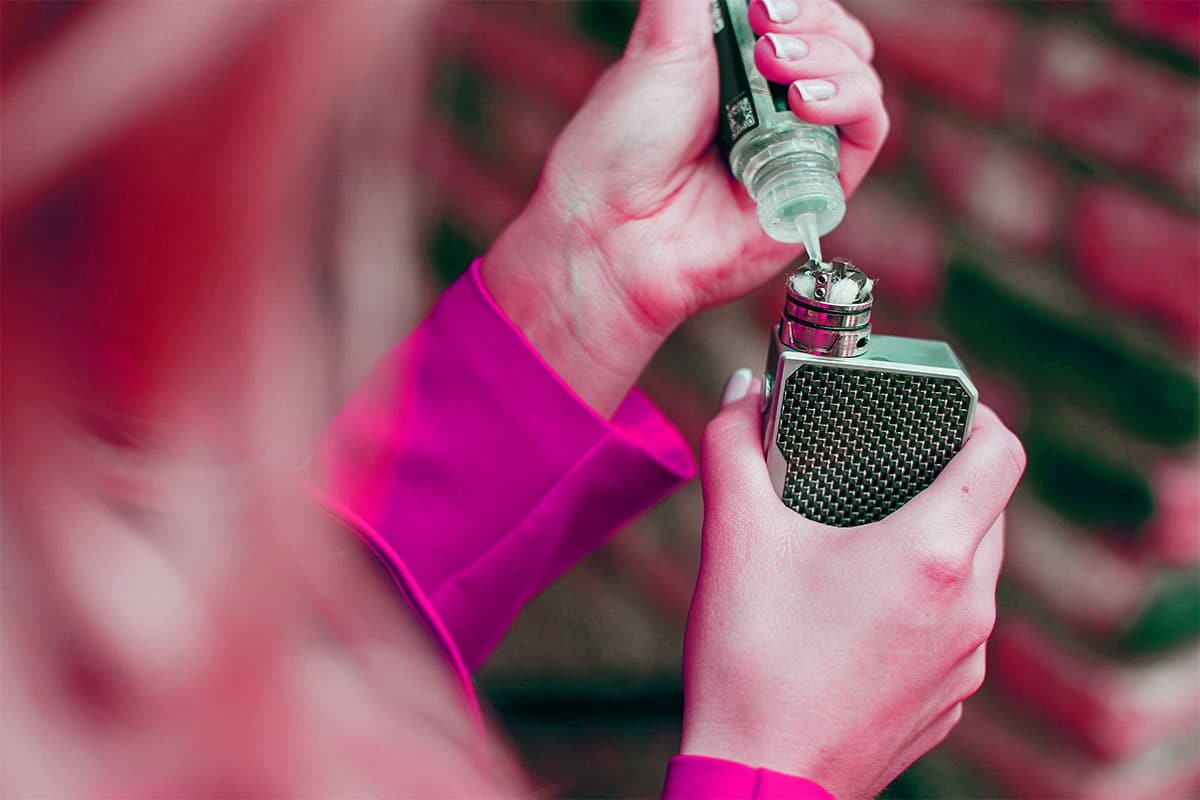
{"x":701,"y":778}
{"x":412,"y":594}
{"x":483,"y":472}
{"x":479,"y":477}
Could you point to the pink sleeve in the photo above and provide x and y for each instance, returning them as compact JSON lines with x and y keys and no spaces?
{"x":483,"y":472}
{"x":701,"y":778}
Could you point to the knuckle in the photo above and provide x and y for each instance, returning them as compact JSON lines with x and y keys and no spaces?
{"x":945,"y":568}
{"x":885,"y":124}
{"x":853,"y":32}
{"x":1015,"y":451}
{"x":837,"y":47}
{"x":942,"y":727}
{"x":860,"y":85}
{"x":823,"y":11}
{"x":1001,"y":439}
{"x":976,"y":674}
{"x":878,"y":83}
{"x":971,"y":673}
{"x":721,"y":436}
{"x":980,"y":628}
{"x":850,"y":85}
{"x":716,"y":432}
{"x":866,"y":42}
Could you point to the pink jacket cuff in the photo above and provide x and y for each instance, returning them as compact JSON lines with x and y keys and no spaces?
{"x":702,"y":778}
{"x":483,"y":471}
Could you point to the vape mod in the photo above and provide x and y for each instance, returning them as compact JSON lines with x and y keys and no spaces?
{"x":855,"y":425}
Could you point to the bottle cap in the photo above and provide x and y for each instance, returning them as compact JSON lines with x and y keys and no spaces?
{"x":791,"y":171}
{"x":788,"y":193}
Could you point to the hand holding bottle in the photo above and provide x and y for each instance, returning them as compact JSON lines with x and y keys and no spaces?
{"x":637,"y":224}
{"x":840,"y":654}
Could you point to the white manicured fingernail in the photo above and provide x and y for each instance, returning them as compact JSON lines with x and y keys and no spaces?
{"x":815,"y":90}
{"x":737,"y":386}
{"x":781,"y":10}
{"x":787,"y":47}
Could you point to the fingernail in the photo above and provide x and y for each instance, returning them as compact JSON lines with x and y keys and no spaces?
{"x":781,"y":10}
{"x":787,"y":47}
{"x":737,"y":386}
{"x":815,"y":90}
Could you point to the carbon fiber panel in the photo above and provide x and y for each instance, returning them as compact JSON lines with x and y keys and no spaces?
{"x":861,"y":443}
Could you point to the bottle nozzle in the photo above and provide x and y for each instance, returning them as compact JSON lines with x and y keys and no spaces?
{"x":806,"y":225}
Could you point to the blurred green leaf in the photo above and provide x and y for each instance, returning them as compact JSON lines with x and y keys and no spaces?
{"x":607,"y":22}
{"x":1085,"y":485}
{"x":1080,"y":361}
{"x":1170,"y":619}
{"x":451,"y":249}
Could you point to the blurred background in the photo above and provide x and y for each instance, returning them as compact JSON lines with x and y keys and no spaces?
{"x":1036,"y":205}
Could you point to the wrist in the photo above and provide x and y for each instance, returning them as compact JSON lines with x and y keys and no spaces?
{"x":722,"y":742}
{"x":553,"y":281}
{"x":751,"y":743}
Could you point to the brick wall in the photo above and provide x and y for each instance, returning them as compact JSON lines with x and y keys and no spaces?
{"x":1036,"y":204}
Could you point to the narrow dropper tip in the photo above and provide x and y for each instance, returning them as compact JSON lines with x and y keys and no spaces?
{"x":806,"y":224}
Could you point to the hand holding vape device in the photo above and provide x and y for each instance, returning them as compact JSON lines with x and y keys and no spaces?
{"x":855,"y":425}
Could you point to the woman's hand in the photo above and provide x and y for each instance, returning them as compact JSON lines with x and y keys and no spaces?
{"x":636,"y":223}
{"x":840,"y":654}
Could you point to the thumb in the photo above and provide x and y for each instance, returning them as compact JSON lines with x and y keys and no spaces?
{"x":731,"y":454}
{"x":671,"y":28}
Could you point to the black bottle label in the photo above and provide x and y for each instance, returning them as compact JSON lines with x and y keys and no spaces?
{"x":746,"y":97}
{"x":738,"y":111}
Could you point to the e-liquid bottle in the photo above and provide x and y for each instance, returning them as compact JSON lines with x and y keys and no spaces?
{"x":788,"y":166}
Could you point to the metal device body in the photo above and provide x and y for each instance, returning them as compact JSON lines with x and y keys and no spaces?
{"x":856,"y":425}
